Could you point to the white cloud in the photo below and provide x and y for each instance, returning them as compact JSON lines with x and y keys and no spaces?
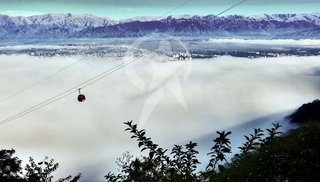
{"x":275,"y":42}
{"x":220,"y":93}
{"x":21,"y":13}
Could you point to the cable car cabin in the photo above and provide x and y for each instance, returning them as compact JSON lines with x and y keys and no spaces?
{"x":81,"y":98}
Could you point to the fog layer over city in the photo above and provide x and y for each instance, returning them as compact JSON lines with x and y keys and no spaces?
{"x":186,"y":101}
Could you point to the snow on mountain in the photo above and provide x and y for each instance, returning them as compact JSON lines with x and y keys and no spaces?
{"x":295,"y":26}
{"x":265,"y":26}
{"x":154,"y":18}
{"x":291,"y":17}
{"x":82,"y":20}
{"x":48,"y":25}
{"x":142,"y":19}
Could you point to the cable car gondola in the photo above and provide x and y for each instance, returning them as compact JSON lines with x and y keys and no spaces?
{"x":81,"y":97}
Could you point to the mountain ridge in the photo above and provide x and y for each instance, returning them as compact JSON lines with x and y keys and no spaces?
{"x":59,"y":25}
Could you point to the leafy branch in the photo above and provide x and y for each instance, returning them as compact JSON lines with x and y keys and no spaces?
{"x":219,"y":150}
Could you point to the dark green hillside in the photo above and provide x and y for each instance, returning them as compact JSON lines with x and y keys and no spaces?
{"x":307,"y":112}
{"x":295,"y":157}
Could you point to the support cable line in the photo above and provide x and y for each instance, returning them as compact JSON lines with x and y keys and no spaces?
{"x":231,"y":7}
{"x":177,"y":7}
{"x":187,"y":2}
{"x":89,"y":81}
{"x":70,"y":91}
{"x":41,"y":80}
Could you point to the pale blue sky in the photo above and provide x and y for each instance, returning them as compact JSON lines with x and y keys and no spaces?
{"x":119,"y":9}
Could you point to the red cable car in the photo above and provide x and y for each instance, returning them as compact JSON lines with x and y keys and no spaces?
{"x":81,"y":97}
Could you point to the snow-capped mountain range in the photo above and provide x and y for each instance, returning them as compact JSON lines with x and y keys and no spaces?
{"x":297,"y":26}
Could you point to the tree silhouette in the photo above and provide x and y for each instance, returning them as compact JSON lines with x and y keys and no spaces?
{"x":219,"y":150}
{"x":273,"y":133}
{"x":252,"y":143}
{"x":158,"y":165}
{"x":40,"y":171}
{"x":10,"y":167}
{"x":182,"y":162}
{"x":11,"y":170}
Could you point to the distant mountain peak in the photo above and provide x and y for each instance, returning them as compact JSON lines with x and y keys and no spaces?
{"x":66,"y":25}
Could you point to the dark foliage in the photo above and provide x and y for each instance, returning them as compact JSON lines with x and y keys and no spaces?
{"x":294,"y":157}
{"x":10,"y":167}
{"x":260,"y":159}
{"x":291,"y":158}
{"x":273,"y":133}
{"x":219,"y":150}
{"x":158,"y":165}
{"x":11,"y":170}
{"x":252,"y":143}
{"x":40,"y":171}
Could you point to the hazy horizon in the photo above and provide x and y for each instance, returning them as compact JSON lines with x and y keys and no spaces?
{"x":127,"y":9}
{"x":164,"y":16}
